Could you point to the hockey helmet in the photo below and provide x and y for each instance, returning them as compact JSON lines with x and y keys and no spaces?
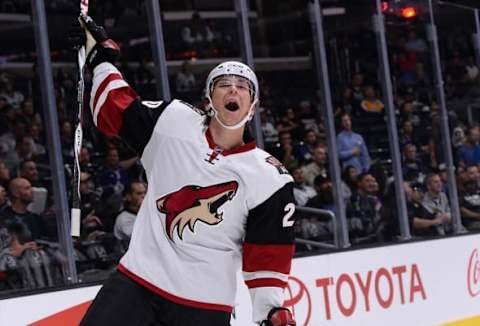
{"x":234,"y":68}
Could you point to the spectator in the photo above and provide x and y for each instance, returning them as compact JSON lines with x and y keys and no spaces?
{"x":28,"y":170}
{"x":349,"y":181}
{"x":23,"y":151}
{"x":472,"y":71}
{"x":112,"y":181}
{"x":13,"y":97}
{"x":345,"y":104}
{"x":415,"y":44}
{"x":357,"y":90}
{"x":3,"y":199}
{"x":89,"y":204}
{"x":185,"y":81}
{"x":469,"y":154}
{"x":289,"y":123}
{"x":25,"y":225}
{"x":4,"y":174}
{"x":301,"y":191}
{"x":422,"y":223}
{"x":413,"y":168}
{"x":318,"y":166}
{"x":363,"y":210}
{"x":27,"y":229}
{"x":351,"y":147}
{"x":304,"y":150}
{"x":197,"y":35}
{"x":113,"y":178}
{"x":436,"y":204}
{"x":123,"y":228}
{"x":470,"y":199}
{"x":323,"y":198}
{"x":371,"y":106}
{"x":285,"y":151}
{"x":270,"y":133}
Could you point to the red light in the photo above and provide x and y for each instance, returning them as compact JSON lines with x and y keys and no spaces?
{"x":384,"y":6}
{"x":409,"y":12}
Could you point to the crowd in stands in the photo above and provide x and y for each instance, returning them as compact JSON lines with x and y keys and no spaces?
{"x":112,"y":183}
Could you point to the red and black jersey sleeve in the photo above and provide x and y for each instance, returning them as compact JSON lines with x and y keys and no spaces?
{"x":118,"y":111}
{"x":269,"y":242}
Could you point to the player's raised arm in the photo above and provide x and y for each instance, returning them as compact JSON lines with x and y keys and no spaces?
{"x":116,"y":108}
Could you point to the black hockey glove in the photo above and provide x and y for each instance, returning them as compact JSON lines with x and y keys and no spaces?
{"x":279,"y":317}
{"x":98,"y":46}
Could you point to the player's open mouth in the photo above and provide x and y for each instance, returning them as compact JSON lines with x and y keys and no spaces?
{"x":232,"y":106}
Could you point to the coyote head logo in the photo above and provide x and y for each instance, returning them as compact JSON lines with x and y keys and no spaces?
{"x":194,"y":203}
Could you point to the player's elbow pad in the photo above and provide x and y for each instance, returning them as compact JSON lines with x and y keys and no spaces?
{"x":106,"y":51}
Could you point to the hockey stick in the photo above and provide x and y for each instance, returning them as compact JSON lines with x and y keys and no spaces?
{"x":76,"y":213}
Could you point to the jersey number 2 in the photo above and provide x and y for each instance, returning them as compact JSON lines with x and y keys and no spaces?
{"x":289,"y":209}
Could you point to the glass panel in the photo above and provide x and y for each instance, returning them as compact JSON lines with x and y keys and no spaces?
{"x":456,"y":30}
{"x":362,"y":135}
{"x":418,"y":119}
{"x":30,"y":257}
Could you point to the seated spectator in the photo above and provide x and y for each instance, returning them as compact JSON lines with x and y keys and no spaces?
{"x":13,"y":97}
{"x":372,"y":107}
{"x":270,"y":133}
{"x":284,"y":151}
{"x":436,"y":203}
{"x":301,"y":191}
{"x":319,"y":166}
{"x":28,"y":170}
{"x":197,"y":35}
{"x":472,"y":71}
{"x":349,"y":181}
{"x":40,"y":265}
{"x":4,"y":174}
{"x":112,"y":179}
{"x":323,"y":198}
{"x":25,"y":225}
{"x":345,"y":104}
{"x":185,"y":81}
{"x":289,"y":123}
{"x":413,"y":168}
{"x":469,"y":154}
{"x":89,"y":203}
{"x":3,"y":199}
{"x":415,"y":43}
{"x":469,"y":198}
{"x":423,"y":223}
{"x":351,"y":147}
{"x":124,"y":222}
{"x":304,"y":150}
{"x":24,"y":150}
{"x":363,"y":210}
{"x":357,"y":90}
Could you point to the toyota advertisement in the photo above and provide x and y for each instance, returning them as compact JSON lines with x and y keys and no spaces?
{"x":424,"y":283}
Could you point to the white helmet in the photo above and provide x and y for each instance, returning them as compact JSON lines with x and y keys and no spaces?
{"x":237,"y":69}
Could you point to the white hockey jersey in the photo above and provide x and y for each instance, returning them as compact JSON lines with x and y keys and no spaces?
{"x":207,"y":212}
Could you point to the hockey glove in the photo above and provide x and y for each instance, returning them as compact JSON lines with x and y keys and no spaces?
{"x":279,"y":317}
{"x":98,"y":46}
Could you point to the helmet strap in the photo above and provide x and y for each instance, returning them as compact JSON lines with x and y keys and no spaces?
{"x":214,"y":113}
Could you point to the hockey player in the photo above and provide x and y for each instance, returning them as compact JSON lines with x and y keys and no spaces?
{"x":215,"y":201}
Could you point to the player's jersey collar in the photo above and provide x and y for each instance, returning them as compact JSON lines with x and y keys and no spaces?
{"x":249,"y":144}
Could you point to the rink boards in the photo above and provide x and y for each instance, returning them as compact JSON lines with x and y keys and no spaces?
{"x":423,"y":283}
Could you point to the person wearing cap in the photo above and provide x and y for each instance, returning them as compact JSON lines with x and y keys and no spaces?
{"x":214,"y":202}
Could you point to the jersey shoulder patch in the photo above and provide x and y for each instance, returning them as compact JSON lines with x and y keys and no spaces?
{"x":277,"y":164}
{"x":194,"y":108}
